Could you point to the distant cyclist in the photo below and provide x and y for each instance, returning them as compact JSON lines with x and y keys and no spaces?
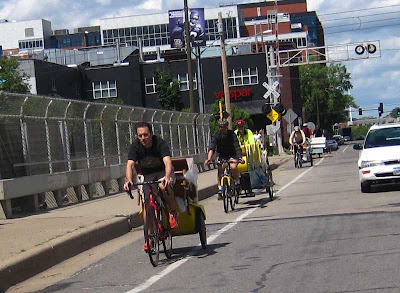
{"x":226,"y":144}
{"x":244,"y":135}
{"x":297,"y":139}
{"x":151,"y":157}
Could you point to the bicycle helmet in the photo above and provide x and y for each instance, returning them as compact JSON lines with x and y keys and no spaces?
{"x":223,"y":122}
{"x":240,"y":122}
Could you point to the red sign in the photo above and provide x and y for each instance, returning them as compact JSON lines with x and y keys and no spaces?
{"x":235,"y":94}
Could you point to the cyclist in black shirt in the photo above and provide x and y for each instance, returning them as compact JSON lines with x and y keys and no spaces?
{"x":151,"y":157}
{"x":226,"y":144}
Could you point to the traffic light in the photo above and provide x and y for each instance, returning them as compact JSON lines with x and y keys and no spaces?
{"x":380,"y":109}
{"x":360,"y":111}
{"x":361,"y":49}
{"x":266,"y":109}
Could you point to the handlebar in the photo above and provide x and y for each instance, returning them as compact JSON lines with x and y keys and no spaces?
{"x":141,"y":183}
{"x":227,"y":161}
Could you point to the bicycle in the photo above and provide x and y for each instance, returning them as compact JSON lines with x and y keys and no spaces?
{"x":158,"y":225}
{"x":270,"y":181}
{"x":298,"y":160}
{"x":229,"y":193}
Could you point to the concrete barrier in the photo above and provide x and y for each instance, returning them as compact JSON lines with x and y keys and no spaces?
{"x":32,"y":186}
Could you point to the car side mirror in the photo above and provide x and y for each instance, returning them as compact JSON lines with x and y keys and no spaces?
{"x":357,"y":146}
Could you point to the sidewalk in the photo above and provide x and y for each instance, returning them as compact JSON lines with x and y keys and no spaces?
{"x":32,"y":244}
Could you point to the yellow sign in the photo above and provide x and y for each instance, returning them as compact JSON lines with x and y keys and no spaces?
{"x":273,"y":115}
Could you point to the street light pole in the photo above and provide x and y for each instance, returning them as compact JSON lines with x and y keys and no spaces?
{"x":188,"y":55}
{"x":224,"y":70}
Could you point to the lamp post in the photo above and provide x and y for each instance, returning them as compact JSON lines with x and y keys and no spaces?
{"x":188,"y":55}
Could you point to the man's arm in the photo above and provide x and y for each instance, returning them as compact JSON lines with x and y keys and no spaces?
{"x":237,"y":147}
{"x":211,"y":149}
{"x":129,"y":174}
{"x":168,"y":170}
{"x":291,"y":138}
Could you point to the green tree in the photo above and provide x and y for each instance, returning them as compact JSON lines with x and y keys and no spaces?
{"x":168,"y":90}
{"x":236,"y":112}
{"x":325,"y":87}
{"x":10,"y":79}
{"x":395,"y":112}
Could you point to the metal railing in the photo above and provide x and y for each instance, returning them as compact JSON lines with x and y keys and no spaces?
{"x":40,"y":135}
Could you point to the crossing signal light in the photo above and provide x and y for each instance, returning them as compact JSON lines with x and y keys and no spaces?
{"x":360,"y":111}
{"x":380,"y":109}
{"x":361,"y":49}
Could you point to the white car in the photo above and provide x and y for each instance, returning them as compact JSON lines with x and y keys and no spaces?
{"x":379,"y":160}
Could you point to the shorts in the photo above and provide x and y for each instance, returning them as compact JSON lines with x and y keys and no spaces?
{"x":228,"y":158}
{"x":153,"y":177}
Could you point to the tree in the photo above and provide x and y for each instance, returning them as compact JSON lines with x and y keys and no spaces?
{"x":10,"y":79}
{"x":236,"y":112}
{"x":323,"y":90}
{"x":395,"y":112}
{"x":169,"y":93}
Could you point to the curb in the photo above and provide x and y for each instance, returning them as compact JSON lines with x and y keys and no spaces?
{"x":39,"y":259}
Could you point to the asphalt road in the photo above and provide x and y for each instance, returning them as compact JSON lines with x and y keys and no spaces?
{"x":320,"y":234}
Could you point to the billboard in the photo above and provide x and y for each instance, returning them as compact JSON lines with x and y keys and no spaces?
{"x":177,"y":27}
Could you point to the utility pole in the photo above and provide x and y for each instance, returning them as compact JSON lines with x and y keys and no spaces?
{"x":224,"y":70}
{"x":188,"y":55}
{"x":200,"y":81}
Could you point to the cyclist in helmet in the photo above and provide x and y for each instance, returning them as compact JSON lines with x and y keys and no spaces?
{"x":245,"y":135}
{"x":226,"y":144}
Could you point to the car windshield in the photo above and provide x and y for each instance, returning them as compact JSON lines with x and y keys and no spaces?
{"x":383,"y":137}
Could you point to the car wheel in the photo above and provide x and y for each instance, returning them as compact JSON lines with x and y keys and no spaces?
{"x":365,"y":187}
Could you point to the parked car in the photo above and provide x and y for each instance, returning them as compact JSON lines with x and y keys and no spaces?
{"x":361,"y":137}
{"x":379,"y":160}
{"x":339,"y":139}
{"x":347,"y":138}
{"x":332,"y":144}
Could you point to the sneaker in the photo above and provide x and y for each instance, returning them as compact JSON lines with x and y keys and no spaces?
{"x":220,"y":197}
{"x":173,"y":220}
{"x":145,"y":247}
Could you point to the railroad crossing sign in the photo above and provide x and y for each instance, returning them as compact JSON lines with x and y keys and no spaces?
{"x":273,"y":115}
{"x":271,"y":89}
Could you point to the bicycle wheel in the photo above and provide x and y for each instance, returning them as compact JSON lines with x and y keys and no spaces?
{"x":167,"y":240}
{"x":232,"y":195}
{"x":270,"y":187}
{"x":300,"y":160}
{"x":225,"y":192}
{"x":153,"y":239}
{"x":201,"y":227}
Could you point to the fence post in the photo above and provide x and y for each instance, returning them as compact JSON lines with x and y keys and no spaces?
{"x":68,"y":150}
{"x":86,"y":136}
{"x":103,"y":145}
{"x":46,"y":125}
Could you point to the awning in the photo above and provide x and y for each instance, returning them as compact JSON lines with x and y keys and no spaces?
{"x":253,"y":107}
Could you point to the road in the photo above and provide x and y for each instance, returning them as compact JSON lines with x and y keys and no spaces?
{"x":320,"y":234}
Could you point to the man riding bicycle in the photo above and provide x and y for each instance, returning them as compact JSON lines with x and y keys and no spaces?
{"x":151,"y":157}
{"x":297,"y":139}
{"x":226,"y":144}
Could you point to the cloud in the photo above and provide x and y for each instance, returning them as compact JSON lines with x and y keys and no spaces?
{"x":103,"y":2}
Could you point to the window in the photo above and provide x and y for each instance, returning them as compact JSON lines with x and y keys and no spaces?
{"x":151,"y":35}
{"x":104,"y":89}
{"x":29,"y":32}
{"x":230,"y":28}
{"x":30,"y":44}
{"x":243,"y":76}
{"x":184,"y":81}
{"x":150,"y":85}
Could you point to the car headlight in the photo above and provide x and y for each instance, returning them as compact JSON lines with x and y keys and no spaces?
{"x":366,"y":164}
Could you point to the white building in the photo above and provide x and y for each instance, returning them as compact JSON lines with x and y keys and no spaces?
{"x":22,"y":37}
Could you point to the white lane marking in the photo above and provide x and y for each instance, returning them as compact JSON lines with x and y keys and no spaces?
{"x":345,"y":148}
{"x":210,"y":239}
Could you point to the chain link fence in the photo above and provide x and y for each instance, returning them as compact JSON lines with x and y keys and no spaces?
{"x":43,"y":135}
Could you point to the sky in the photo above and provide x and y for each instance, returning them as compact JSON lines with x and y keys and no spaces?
{"x":374,"y":80}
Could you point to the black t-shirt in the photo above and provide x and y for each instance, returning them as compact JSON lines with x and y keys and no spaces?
{"x":150,"y":160}
{"x":226,"y":145}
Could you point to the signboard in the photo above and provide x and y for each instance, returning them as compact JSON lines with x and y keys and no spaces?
{"x":273,"y":115}
{"x":177,"y":27}
{"x":1,"y":51}
{"x":290,"y":116}
{"x":271,"y":89}
{"x":236,"y":94}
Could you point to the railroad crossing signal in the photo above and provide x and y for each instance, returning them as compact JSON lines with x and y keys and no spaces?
{"x":273,"y":115}
{"x":271,"y":90}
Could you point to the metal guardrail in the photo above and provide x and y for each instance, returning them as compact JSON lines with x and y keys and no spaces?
{"x":45,"y":135}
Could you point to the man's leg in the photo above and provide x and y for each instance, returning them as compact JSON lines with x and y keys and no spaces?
{"x":235,"y":173}
{"x":220,"y":171}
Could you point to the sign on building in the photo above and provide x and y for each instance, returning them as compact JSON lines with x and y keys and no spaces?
{"x":177,"y":27}
{"x":1,"y":51}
